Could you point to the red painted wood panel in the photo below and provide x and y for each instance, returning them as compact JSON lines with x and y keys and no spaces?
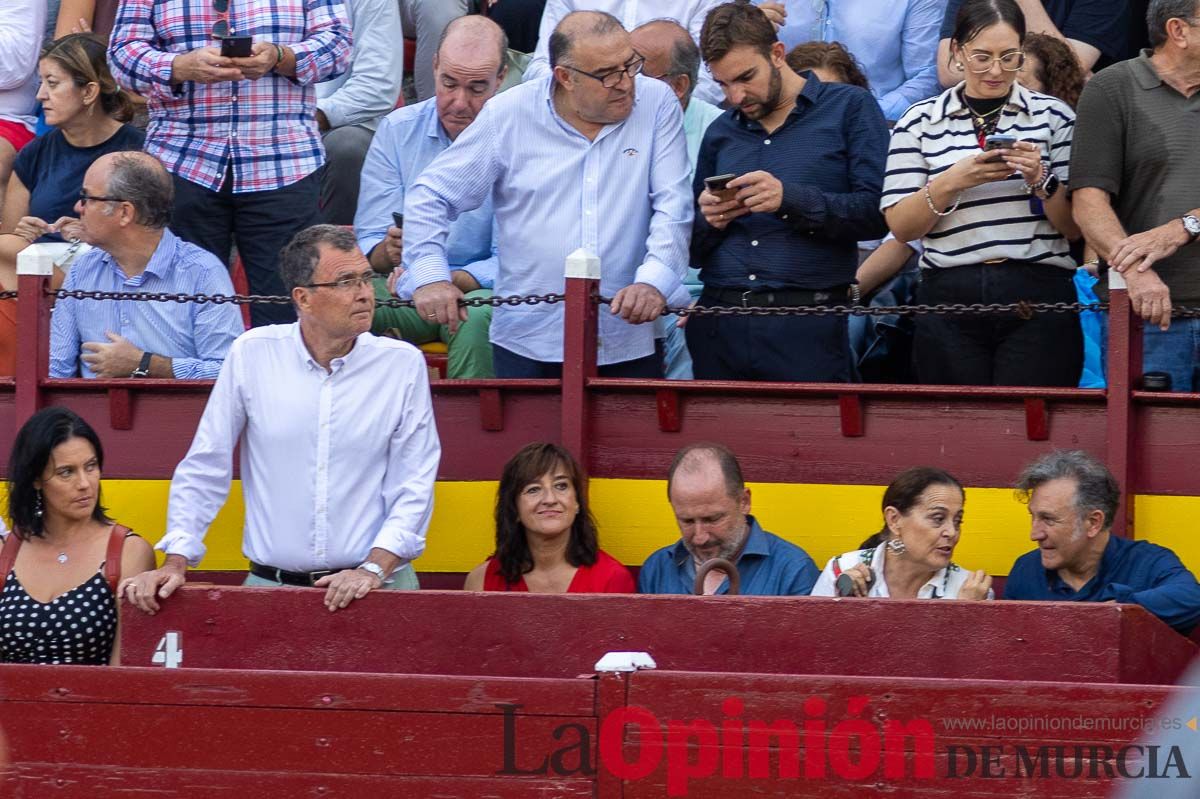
{"x":1167,"y":457}
{"x":434,"y":632}
{"x":54,"y":781}
{"x":694,"y":724}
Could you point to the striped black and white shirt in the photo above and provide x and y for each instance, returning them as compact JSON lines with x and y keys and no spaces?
{"x":995,"y":220}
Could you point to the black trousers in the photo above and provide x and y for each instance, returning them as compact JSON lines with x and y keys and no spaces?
{"x":998,"y":350}
{"x":809,"y":349}
{"x":260,"y":222}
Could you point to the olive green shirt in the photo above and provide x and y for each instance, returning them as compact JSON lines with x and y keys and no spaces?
{"x":1139,"y":140}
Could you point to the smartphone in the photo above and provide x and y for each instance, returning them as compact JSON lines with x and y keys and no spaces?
{"x":398,"y":220}
{"x":998,"y":142}
{"x":719,"y":185}
{"x":236,"y":46}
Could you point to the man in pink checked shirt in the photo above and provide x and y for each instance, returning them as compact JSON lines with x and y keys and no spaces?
{"x":238,"y":134}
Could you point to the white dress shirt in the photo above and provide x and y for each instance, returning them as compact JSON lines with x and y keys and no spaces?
{"x":632,"y":13}
{"x":624,"y":196}
{"x":368,"y":90}
{"x":333,"y":463}
{"x":22,"y":25}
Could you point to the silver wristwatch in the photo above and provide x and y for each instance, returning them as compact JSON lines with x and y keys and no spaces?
{"x":1192,"y":225}
{"x":375,"y":569}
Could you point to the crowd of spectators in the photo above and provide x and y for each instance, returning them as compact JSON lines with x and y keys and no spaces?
{"x":924,"y":151}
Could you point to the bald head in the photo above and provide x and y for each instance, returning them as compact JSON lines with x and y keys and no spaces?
{"x":468,"y":69}
{"x":580,"y":26}
{"x":671,"y":55}
{"x":474,"y":33}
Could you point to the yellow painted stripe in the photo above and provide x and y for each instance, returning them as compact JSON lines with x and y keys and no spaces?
{"x":635,"y":520}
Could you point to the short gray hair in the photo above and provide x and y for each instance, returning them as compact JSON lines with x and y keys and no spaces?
{"x":142,"y":181}
{"x":1095,"y":487}
{"x":1159,"y":12}
{"x":299,"y":258}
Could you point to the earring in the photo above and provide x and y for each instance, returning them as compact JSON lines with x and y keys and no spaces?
{"x":38,"y":510}
{"x":896,"y":546}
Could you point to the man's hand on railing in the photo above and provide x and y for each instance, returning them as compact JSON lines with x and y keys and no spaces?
{"x":1143,"y":250}
{"x":639,"y":303}
{"x":1149,"y":296}
{"x":144,"y":590}
{"x":438,"y":302}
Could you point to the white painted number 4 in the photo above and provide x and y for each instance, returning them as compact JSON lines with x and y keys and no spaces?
{"x":169,"y":653}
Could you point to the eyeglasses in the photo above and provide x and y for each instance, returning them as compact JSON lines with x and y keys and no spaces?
{"x":220,"y":28}
{"x":611,"y":80}
{"x":85,"y":198}
{"x":346,"y":282}
{"x":982,"y":62}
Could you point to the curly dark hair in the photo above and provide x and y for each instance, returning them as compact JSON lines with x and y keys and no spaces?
{"x":828,"y":55}
{"x":1059,"y":71}
{"x":528,"y":466}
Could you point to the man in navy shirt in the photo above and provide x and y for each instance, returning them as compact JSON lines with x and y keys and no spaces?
{"x":807,"y":159}
{"x":712,"y":507}
{"x":1072,"y":500}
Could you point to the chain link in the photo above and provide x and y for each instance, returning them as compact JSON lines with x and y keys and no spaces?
{"x":1025,"y":310}
{"x":8,"y":295}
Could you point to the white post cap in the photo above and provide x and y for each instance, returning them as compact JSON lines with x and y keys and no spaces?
{"x":1115,"y":280}
{"x":625,"y":661}
{"x":584,"y":264}
{"x":38,"y":259}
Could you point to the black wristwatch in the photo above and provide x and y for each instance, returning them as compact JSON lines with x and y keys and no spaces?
{"x":1050,"y":185}
{"x":143,"y":368}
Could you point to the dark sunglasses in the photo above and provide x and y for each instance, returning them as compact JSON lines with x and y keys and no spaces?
{"x":220,"y":29}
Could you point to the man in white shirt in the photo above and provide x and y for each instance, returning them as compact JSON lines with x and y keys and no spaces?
{"x":350,"y":106}
{"x":339,"y":451}
{"x":593,"y":154}
{"x":630,"y":13}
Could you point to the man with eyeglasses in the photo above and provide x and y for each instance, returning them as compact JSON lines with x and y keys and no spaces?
{"x":630,"y":13}
{"x":469,"y":67}
{"x":338,"y":446}
{"x":1135,"y":179}
{"x":239,"y":134}
{"x":590,"y":157}
{"x":123,"y":212}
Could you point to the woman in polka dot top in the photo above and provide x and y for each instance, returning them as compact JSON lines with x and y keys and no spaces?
{"x":56,"y":605}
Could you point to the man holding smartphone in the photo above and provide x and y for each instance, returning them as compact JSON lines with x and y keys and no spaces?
{"x":787,"y":183}
{"x":469,"y":67}
{"x":238,"y":134}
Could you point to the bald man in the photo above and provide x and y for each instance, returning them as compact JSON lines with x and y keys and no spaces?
{"x":569,"y":161}
{"x":469,"y":66}
{"x":671,"y":56}
{"x":124,"y":210}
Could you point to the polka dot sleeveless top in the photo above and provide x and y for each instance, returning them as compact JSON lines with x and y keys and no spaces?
{"x":78,"y":627}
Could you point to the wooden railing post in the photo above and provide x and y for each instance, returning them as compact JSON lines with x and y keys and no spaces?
{"x":34,"y":267}
{"x":579,"y":350}
{"x":1124,"y":377}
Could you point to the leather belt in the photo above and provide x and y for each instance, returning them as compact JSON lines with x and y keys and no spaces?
{"x":775,"y":298}
{"x":287,"y":577}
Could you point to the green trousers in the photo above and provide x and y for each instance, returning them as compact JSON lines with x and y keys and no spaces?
{"x":469,"y":350}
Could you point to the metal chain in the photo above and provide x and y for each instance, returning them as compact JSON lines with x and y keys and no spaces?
{"x":1024,"y":310}
{"x":8,"y":295}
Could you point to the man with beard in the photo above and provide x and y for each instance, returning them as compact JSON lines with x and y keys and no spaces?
{"x":712,"y":507}
{"x":807,"y":159}
{"x":592,"y":156}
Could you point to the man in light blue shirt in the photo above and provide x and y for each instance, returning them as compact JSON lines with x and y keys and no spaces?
{"x":123,"y":211}
{"x":591,"y":157}
{"x":469,"y":68}
{"x":895,"y":42}
{"x":711,"y":504}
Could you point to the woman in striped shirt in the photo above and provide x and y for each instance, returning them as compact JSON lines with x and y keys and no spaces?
{"x":979,"y":174}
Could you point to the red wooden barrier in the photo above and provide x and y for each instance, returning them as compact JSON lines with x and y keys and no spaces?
{"x":511,"y":635}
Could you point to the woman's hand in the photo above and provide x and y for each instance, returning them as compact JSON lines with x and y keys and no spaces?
{"x":862,"y":577}
{"x":70,"y":228}
{"x":977,"y":585}
{"x":1026,"y":157}
{"x":976,"y":170}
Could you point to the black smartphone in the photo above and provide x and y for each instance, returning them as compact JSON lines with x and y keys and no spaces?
{"x":236,"y":46}
{"x":719,"y":185}
{"x":398,"y":219}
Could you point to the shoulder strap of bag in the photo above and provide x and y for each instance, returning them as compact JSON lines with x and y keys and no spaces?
{"x":112,"y":558}
{"x":8,"y":555}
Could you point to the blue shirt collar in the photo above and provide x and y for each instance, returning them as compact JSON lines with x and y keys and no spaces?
{"x":160,"y":262}
{"x":808,"y":96}
{"x":1112,"y":551}
{"x":757,"y":545}
{"x":433,"y":125}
